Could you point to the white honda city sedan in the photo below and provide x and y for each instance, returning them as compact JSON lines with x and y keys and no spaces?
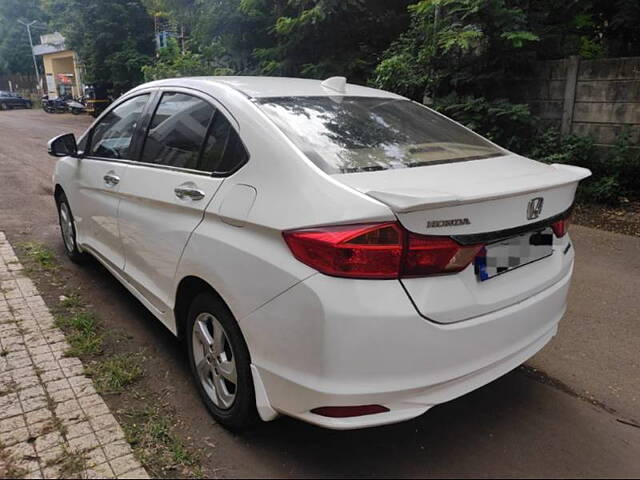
{"x":331,"y":252}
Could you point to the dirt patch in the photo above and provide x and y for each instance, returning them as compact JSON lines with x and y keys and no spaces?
{"x":624,"y":218}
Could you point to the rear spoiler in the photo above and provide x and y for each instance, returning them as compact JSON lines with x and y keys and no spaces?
{"x":411,"y":199}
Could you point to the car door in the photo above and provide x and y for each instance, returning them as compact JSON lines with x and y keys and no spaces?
{"x":95,"y":195}
{"x":164,"y":195}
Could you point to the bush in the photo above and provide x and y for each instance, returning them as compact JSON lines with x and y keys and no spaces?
{"x":616,"y":173}
{"x":624,"y":159}
{"x":510,"y":125}
{"x":550,"y":147}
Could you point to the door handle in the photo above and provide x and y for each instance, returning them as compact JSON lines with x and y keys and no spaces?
{"x":188,"y":192}
{"x":111,"y":179}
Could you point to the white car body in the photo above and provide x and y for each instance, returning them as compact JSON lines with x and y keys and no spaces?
{"x":317,"y":340}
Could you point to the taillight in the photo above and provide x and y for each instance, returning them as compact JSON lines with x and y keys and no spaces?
{"x":360,"y":251}
{"x":378,"y":251}
{"x":561,"y":227}
{"x":429,"y":255}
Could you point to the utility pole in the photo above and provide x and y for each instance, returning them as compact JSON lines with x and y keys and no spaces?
{"x":35,"y":63}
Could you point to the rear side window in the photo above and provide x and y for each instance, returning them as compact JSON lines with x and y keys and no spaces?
{"x":112,"y":137}
{"x":234,"y":156}
{"x":224,"y":151}
{"x":177,"y":131}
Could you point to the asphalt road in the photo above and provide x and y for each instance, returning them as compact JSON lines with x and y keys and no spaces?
{"x":514,"y":427}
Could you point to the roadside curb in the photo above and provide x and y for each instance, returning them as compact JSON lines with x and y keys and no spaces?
{"x":53,"y":424}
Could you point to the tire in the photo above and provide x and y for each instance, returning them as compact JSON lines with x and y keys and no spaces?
{"x":76,"y":111}
{"x":241,"y":413}
{"x":4,"y":106}
{"x":68,"y":231}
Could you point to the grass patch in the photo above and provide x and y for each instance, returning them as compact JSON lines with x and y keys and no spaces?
{"x":150,"y":433}
{"x":82,"y":333}
{"x":40,"y":256}
{"x":72,"y":301}
{"x":113,"y":374}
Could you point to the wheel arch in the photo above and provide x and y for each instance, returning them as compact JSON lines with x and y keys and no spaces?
{"x":188,"y":289}
{"x":58,"y":192}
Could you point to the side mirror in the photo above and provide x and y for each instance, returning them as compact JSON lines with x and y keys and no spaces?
{"x":63,"y":146}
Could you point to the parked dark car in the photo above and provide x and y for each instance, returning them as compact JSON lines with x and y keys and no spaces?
{"x":9,"y":100}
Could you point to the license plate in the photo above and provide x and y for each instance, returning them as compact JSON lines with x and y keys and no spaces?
{"x":506,"y":255}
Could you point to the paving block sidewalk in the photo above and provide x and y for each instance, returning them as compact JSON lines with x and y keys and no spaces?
{"x":52,"y":421}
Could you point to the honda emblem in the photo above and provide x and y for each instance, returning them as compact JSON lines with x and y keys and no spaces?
{"x":534,"y":209}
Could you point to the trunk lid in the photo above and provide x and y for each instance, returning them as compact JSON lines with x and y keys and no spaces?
{"x":485,"y":199}
{"x":492,"y":194}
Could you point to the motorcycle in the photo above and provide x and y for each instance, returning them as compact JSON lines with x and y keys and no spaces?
{"x":62,"y":105}
{"x":76,"y":107}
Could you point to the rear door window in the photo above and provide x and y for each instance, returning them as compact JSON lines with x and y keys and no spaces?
{"x":112,"y":137}
{"x":177,"y":131}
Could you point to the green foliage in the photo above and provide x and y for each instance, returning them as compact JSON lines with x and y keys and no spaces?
{"x":624,"y":160}
{"x":616,"y":171}
{"x":114,"y":374}
{"x":312,"y":38}
{"x":590,"y":48}
{"x":173,"y":63}
{"x":510,"y":125}
{"x":551,"y":147}
{"x":15,"y":53}
{"x":467,"y":47}
{"x":40,"y":257}
{"x":114,"y":38}
{"x":82,"y":333}
{"x":151,"y":433}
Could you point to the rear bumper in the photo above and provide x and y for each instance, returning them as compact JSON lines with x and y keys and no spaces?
{"x":336,"y":342}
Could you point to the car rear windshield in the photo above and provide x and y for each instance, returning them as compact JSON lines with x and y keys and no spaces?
{"x":359,"y":134}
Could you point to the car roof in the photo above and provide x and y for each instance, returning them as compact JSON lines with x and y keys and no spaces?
{"x":264,"y":87}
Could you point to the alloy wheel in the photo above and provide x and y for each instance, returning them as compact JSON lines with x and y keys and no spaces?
{"x":214,"y":360}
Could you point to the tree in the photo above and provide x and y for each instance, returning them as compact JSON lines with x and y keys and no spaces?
{"x":320,"y":38}
{"x":15,"y":53}
{"x":463,"y":46}
{"x":172,"y":63}
{"x":113,"y":38}
{"x":312,"y":38}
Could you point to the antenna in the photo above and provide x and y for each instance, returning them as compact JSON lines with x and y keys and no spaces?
{"x":337,"y":84}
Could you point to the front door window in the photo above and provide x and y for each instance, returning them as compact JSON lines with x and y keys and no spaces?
{"x":113,"y":136}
